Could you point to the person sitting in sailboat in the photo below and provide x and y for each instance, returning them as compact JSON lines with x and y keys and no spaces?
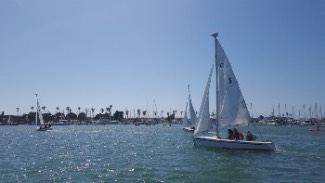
{"x":230,"y":135}
{"x":237,"y":135}
{"x":250,"y":136}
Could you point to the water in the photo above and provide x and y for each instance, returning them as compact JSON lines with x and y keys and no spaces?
{"x":118,"y":153}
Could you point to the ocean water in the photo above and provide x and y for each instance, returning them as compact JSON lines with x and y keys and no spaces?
{"x":120,"y":153}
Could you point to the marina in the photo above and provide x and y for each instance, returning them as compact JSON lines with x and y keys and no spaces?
{"x":162,"y":91}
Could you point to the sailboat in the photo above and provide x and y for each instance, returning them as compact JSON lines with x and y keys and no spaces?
{"x":191,"y":123}
{"x":43,"y":126}
{"x":230,"y":105}
{"x":317,"y":129}
{"x":9,"y":122}
{"x":185,"y":120}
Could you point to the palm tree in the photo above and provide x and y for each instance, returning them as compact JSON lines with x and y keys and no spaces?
{"x":139,"y":112}
{"x":102,"y":110}
{"x":44,"y":108}
{"x":174,"y":112}
{"x":32,"y":108}
{"x":68,"y":111}
{"x":79,"y":110}
{"x":181,"y":113}
{"x":144,"y":113}
{"x":57,"y":109}
{"x":93,"y":111}
{"x":110,"y":111}
{"x":17,"y":111}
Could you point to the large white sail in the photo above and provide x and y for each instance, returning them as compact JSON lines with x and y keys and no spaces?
{"x":233,"y":109}
{"x":185,"y":119}
{"x":40,"y":115}
{"x":204,"y":114}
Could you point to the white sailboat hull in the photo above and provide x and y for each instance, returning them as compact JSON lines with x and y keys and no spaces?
{"x":214,"y":142}
{"x":189,"y":129}
{"x":44,"y":128}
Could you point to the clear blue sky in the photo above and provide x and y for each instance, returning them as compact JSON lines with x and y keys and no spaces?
{"x":126,"y":53}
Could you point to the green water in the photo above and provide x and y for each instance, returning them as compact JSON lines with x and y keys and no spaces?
{"x":119,"y":153}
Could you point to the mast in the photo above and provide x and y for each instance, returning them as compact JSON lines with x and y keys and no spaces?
{"x":190,"y":103}
{"x":188,"y":90}
{"x":215,"y":34}
{"x":36,"y":110}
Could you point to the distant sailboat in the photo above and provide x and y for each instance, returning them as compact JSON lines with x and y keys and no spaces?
{"x":317,"y":129}
{"x":42,"y":126}
{"x":231,"y":108}
{"x":191,"y":123}
{"x":10,"y":122}
{"x":185,"y":120}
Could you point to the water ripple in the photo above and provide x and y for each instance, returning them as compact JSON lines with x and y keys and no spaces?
{"x":152,"y":154}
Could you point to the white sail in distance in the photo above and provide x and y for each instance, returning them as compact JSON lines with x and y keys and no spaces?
{"x":185,"y":119}
{"x":191,"y":108}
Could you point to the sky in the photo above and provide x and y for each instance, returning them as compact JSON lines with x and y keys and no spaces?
{"x":142,"y":54}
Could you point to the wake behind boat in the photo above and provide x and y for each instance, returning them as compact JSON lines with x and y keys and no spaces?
{"x":230,"y":105}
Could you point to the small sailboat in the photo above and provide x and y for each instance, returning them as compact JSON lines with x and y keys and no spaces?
{"x":231,"y":109}
{"x":185,"y":121}
{"x":189,"y":126}
{"x":10,"y":122}
{"x":317,"y":129}
{"x":43,"y":126}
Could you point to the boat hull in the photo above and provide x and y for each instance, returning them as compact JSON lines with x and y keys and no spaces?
{"x":314,"y":130}
{"x":215,"y":142}
{"x":44,"y":129}
{"x":188,"y":129}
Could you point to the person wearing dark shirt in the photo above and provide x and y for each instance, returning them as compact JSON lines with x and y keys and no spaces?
{"x":238,"y":135}
{"x":250,"y":136}
{"x":230,"y":135}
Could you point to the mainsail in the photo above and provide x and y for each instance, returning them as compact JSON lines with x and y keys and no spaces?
{"x":232,"y":106}
{"x":185,"y":119}
{"x":191,"y":109}
{"x":40,"y":115}
{"x":204,"y":114}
